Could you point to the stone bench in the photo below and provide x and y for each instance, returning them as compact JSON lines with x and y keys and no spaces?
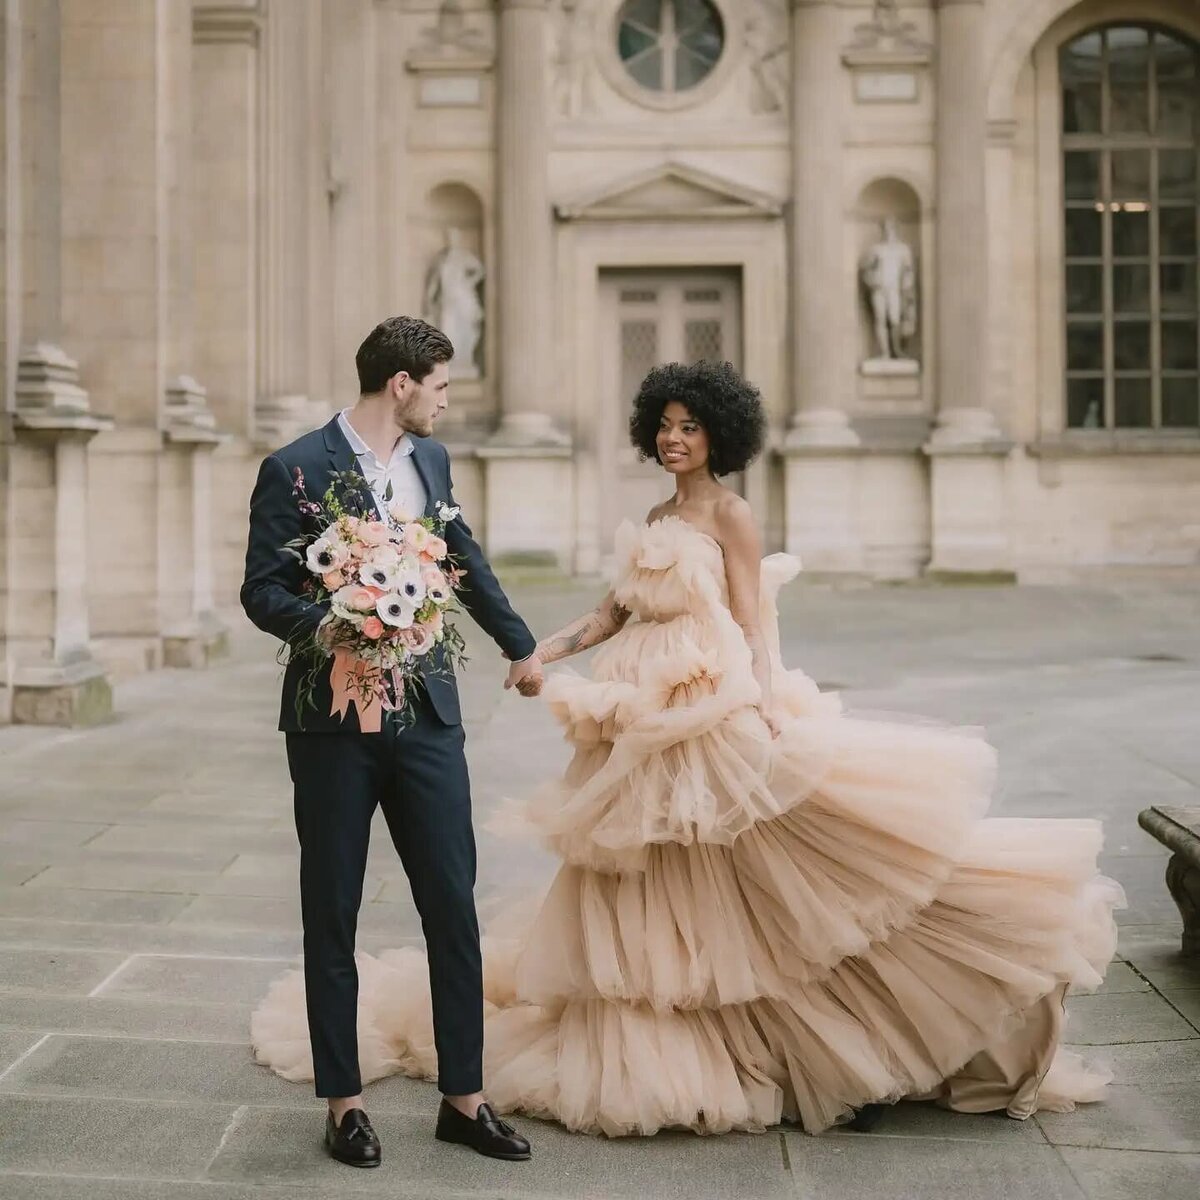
{"x":1179,"y":830}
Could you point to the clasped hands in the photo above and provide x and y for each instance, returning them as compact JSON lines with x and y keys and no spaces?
{"x":526,"y":676}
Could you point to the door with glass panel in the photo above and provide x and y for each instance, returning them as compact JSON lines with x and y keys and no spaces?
{"x":650,"y":318}
{"x":1131,"y":174}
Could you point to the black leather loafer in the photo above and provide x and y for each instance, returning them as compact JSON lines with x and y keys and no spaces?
{"x":486,"y":1134}
{"x":354,"y":1142}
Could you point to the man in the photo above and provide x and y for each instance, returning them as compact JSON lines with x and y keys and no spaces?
{"x":416,"y":774}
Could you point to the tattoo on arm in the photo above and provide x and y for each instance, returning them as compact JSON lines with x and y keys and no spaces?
{"x":590,"y":630}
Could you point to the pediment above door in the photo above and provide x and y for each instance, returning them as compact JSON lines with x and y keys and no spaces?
{"x":669,"y":192}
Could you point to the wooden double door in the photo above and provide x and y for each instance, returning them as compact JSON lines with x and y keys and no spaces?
{"x":648,"y":318}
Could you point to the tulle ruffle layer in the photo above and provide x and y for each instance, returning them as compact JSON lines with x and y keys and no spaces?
{"x":747,"y":929}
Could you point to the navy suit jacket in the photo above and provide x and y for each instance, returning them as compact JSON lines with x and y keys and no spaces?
{"x":272,"y":590}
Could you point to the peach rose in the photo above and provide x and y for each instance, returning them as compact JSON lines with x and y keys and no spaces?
{"x":363,"y":599}
{"x":372,"y":628}
{"x":373,"y":533}
{"x":417,"y":638}
{"x":333,"y":580}
{"x":416,"y":536}
{"x":434,"y":549}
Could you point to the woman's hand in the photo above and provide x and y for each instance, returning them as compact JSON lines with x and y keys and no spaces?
{"x":770,"y":720}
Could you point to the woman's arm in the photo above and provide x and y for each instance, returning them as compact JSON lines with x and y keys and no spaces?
{"x":597,"y":626}
{"x":743,"y":566}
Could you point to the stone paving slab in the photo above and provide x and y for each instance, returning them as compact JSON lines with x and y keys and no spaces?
{"x":194,"y":979}
{"x":69,"y":904}
{"x":1119,"y":1175}
{"x":271,"y":1146}
{"x":121,"y":1017}
{"x":1152,"y":1117}
{"x":116,"y":1137}
{"x":71,"y":972}
{"x":1124,"y":1017}
{"x":1088,"y":694}
{"x":874,"y":1167}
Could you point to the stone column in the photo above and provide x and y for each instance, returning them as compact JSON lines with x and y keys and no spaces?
{"x":525,"y":231}
{"x":962,"y":253}
{"x":44,"y":584}
{"x":525,"y":462}
{"x":192,"y":634}
{"x":225,"y":152}
{"x":286,"y":404}
{"x":822,"y":463}
{"x":967,"y":449}
{"x":55,"y":679}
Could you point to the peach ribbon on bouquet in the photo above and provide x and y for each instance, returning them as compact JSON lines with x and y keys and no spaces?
{"x":361,"y":684}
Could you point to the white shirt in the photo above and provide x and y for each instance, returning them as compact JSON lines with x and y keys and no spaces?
{"x":400,"y":472}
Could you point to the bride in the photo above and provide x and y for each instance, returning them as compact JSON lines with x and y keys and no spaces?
{"x":766,"y":909}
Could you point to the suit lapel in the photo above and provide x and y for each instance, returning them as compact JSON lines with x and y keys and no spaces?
{"x":422,"y":464}
{"x":342,"y":459}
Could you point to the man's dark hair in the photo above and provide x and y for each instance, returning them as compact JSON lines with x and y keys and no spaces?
{"x":727,"y":407}
{"x":400,"y":344}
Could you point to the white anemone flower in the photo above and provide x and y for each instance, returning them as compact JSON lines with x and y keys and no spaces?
{"x":327,"y":554}
{"x":379,"y":575}
{"x":396,"y":611}
{"x":409,"y":583}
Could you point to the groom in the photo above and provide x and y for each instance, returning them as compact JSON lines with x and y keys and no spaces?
{"x":416,"y":774}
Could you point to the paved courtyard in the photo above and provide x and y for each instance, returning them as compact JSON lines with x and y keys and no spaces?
{"x":148,"y":896}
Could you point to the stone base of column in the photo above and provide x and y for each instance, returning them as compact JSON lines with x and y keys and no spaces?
{"x":821,"y":492}
{"x":967,"y":427}
{"x":202,"y":641}
{"x":528,"y":430}
{"x":528,"y":502}
{"x":282,"y":419}
{"x":970,"y":508}
{"x":67,"y":694}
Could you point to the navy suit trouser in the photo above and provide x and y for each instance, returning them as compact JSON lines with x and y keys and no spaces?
{"x":418,"y":776}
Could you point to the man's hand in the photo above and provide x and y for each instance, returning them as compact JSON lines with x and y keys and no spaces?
{"x":526,"y":676}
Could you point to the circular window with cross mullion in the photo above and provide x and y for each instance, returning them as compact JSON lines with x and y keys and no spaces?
{"x":669,"y":47}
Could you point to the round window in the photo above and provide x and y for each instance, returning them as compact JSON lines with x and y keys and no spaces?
{"x":669,"y":46}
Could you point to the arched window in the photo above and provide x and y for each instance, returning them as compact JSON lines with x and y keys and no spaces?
{"x":1131,"y":151}
{"x":669,"y":45}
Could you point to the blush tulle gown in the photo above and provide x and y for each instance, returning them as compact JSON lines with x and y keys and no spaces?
{"x":744,"y":930}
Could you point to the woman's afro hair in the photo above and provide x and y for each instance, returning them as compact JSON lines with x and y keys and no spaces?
{"x":726,"y":406}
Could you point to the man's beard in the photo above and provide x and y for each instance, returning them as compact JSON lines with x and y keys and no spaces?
{"x":405,"y":417}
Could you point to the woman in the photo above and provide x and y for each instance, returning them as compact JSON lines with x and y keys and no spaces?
{"x":766,"y":909}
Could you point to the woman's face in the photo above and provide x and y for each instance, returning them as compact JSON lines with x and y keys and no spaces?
{"x":682,"y":443}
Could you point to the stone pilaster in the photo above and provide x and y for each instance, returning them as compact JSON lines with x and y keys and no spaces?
{"x":55,"y":679}
{"x":968,"y":452}
{"x":289,"y":396}
{"x":527,"y":460}
{"x":821,"y":445}
{"x":225,"y":152}
{"x":192,"y":634}
{"x":525,"y":231}
{"x":962,"y":252}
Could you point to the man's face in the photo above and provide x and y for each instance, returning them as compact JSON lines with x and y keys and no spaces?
{"x":418,"y":405}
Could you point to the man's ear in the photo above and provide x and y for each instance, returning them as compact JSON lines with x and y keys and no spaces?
{"x":398,"y":381}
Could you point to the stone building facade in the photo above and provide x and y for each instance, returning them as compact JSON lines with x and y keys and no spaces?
{"x":953,"y":241}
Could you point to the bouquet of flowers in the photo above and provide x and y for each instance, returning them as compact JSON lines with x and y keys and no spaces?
{"x":389,"y":583}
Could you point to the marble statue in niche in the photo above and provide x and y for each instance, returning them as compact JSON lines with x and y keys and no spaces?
{"x":453,"y":304}
{"x":889,"y":277}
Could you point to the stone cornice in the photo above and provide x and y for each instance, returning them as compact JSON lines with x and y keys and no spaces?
{"x":237,"y":24}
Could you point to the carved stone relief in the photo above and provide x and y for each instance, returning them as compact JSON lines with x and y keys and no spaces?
{"x":572,"y":33}
{"x":765,"y":34}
